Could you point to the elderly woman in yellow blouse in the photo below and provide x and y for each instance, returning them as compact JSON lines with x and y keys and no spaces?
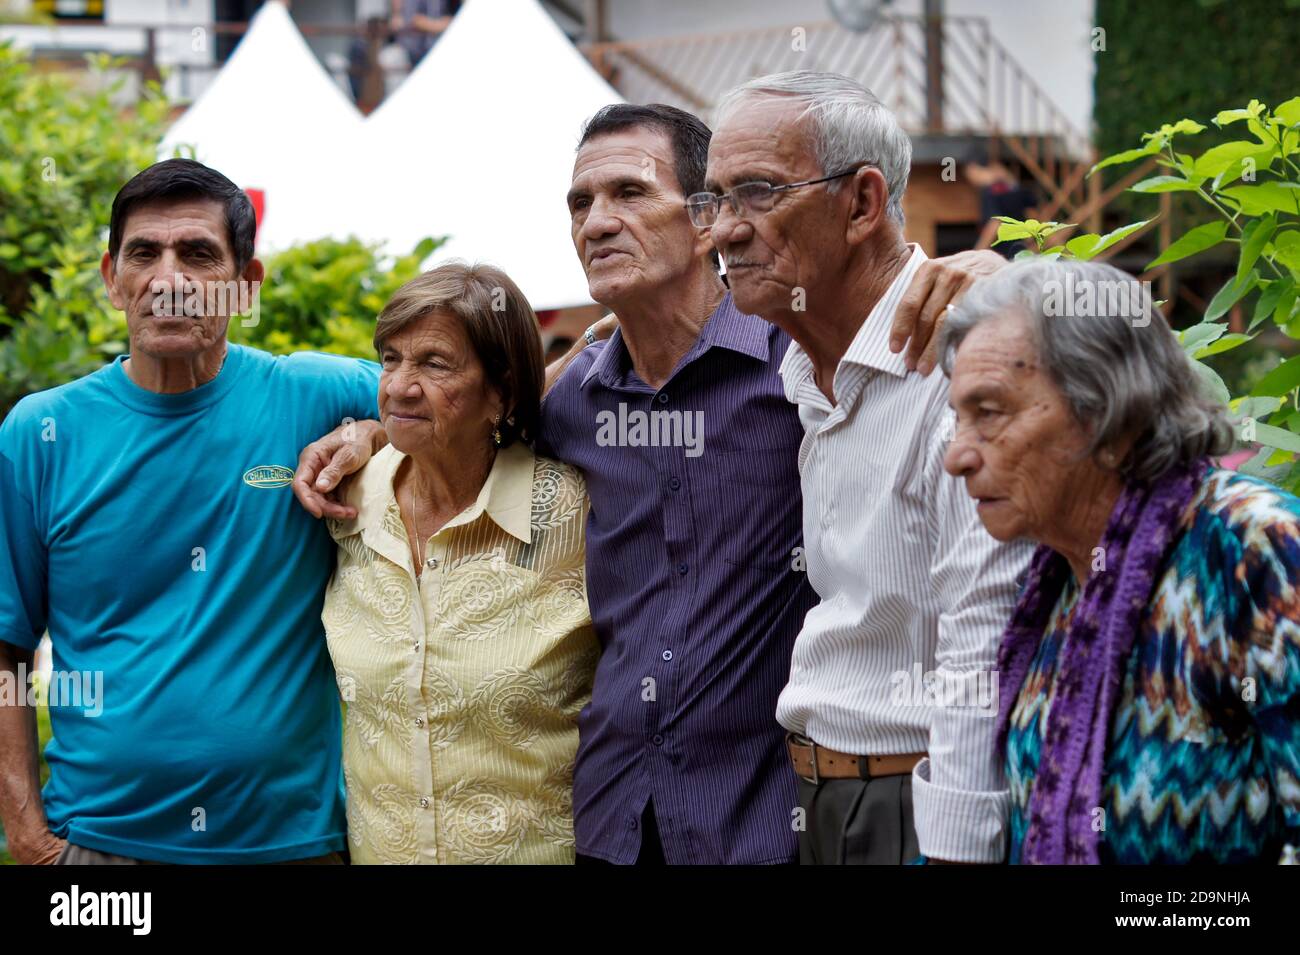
{"x":457,"y":616}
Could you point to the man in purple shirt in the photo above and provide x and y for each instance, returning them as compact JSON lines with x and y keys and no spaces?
{"x":689,"y":447}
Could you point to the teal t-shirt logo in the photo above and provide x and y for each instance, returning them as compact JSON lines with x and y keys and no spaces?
{"x":268,"y":475}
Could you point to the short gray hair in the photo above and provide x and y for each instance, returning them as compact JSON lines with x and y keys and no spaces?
{"x":1121,"y":375}
{"x":848,"y":125}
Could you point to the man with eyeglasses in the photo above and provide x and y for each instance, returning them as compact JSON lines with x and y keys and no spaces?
{"x":694,"y":550}
{"x":892,"y":684}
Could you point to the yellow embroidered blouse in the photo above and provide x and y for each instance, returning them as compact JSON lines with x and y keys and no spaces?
{"x":463,"y":686}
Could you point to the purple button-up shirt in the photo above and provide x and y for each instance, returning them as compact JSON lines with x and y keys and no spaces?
{"x":697,"y":590}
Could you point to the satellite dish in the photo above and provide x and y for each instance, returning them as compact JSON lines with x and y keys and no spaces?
{"x":857,"y":15}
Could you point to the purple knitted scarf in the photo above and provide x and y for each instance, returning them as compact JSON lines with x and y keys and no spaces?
{"x":1067,"y":786}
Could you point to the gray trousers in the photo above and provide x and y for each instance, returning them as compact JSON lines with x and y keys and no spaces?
{"x":858,"y":822}
{"x":80,"y":855}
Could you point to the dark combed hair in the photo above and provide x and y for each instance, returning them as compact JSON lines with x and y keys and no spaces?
{"x":688,"y":135}
{"x":187,"y":179}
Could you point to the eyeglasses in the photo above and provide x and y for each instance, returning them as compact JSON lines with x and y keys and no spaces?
{"x":748,"y":198}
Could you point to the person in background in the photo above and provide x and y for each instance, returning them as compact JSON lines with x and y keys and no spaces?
{"x":416,"y":25}
{"x":1150,"y":674}
{"x":1001,"y":194}
{"x":412,"y":25}
{"x":457,"y":616}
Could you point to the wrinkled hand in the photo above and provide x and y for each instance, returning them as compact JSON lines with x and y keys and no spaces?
{"x":42,"y":850}
{"x":601,"y":330}
{"x":605,"y":327}
{"x":324,"y":464}
{"x":938,"y":284}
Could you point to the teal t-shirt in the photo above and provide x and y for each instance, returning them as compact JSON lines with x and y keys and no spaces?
{"x":158,"y":540}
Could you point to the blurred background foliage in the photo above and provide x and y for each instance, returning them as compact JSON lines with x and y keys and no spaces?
{"x":1251,"y":187}
{"x":324,"y":296}
{"x":65,"y":150}
{"x":1212,"y":52}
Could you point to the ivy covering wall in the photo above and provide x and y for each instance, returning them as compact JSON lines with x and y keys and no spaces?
{"x":1166,"y":59}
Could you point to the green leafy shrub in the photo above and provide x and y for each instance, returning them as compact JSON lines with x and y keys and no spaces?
{"x":1186,"y":57}
{"x":324,"y":296}
{"x":65,"y":150}
{"x":1252,"y":185}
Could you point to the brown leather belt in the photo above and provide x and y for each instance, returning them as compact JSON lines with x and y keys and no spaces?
{"x":815,"y":763}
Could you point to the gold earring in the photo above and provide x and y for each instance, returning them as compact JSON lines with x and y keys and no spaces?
{"x":496,"y":431}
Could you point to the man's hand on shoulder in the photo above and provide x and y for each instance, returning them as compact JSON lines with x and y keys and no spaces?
{"x":598,"y":331}
{"x":938,"y":283}
{"x":323,"y":465}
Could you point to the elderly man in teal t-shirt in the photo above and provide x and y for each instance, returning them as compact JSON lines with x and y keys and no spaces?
{"x":146,"y":521}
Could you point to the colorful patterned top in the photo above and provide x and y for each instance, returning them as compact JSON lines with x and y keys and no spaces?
{"x":463,"y":686}
{"x":1204,"y":756}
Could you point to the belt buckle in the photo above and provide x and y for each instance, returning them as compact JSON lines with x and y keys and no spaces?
{"x":816,"y":776}
{"x":798,"y":739}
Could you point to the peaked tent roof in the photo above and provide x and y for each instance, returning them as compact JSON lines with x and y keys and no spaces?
{"x":478,"y":144}
{"x":274,"y":120}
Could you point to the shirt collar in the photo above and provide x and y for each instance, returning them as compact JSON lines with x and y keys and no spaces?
{"x":870,"y":346}
{"x":506,"y":496}
{"x":727,"y":327}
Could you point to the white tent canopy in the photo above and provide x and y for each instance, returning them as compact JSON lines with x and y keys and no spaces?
{"x":477,"y":144}
{"x":274,"y":120}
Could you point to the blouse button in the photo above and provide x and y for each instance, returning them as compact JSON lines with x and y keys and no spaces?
{"x":424,"y":802}
{"x":431,"y":563}
{"x":419,"y":721}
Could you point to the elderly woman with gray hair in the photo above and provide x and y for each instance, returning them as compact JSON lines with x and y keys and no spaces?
{"x":1150,"y":674}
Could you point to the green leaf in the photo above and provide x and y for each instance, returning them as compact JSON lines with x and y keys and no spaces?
{"x":1128,"y":155}
{"x":1081,"y":246}
{"x":1165,"y":184}
{"x":1251,"y":407}
{"x":1194,"y":241}
{"x":1169,"y":130}
{"x":1268,"y":300}
{"x":1008,"y":232}
{"x":1228,"y":296}
{"x":1216,"y":160}
{"x":1286,"y":249}
{"x":1253,"y":239}
{"x":1266,"y":197}
{"x":1272,"y":437}
{"x":1282,"y":379}
{"x":1289,"y":112}
{"x":1226,"y":116}
{"x":1214,"y":385}
{"x":1198,"y":336}
{"x":1261,"y":466}
{"x":1226,"y":343}
{"x":1110,"y":238}
{"x":1285,"y":304}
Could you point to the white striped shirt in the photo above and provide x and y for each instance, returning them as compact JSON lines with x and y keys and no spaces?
{"x":899,"y":656}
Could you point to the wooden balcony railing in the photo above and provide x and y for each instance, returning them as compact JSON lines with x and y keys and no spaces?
{"x":984,"y":91}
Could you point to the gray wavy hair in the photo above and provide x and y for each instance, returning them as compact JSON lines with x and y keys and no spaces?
{"x":848,"y":125}
{"x":1112,"y":355}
